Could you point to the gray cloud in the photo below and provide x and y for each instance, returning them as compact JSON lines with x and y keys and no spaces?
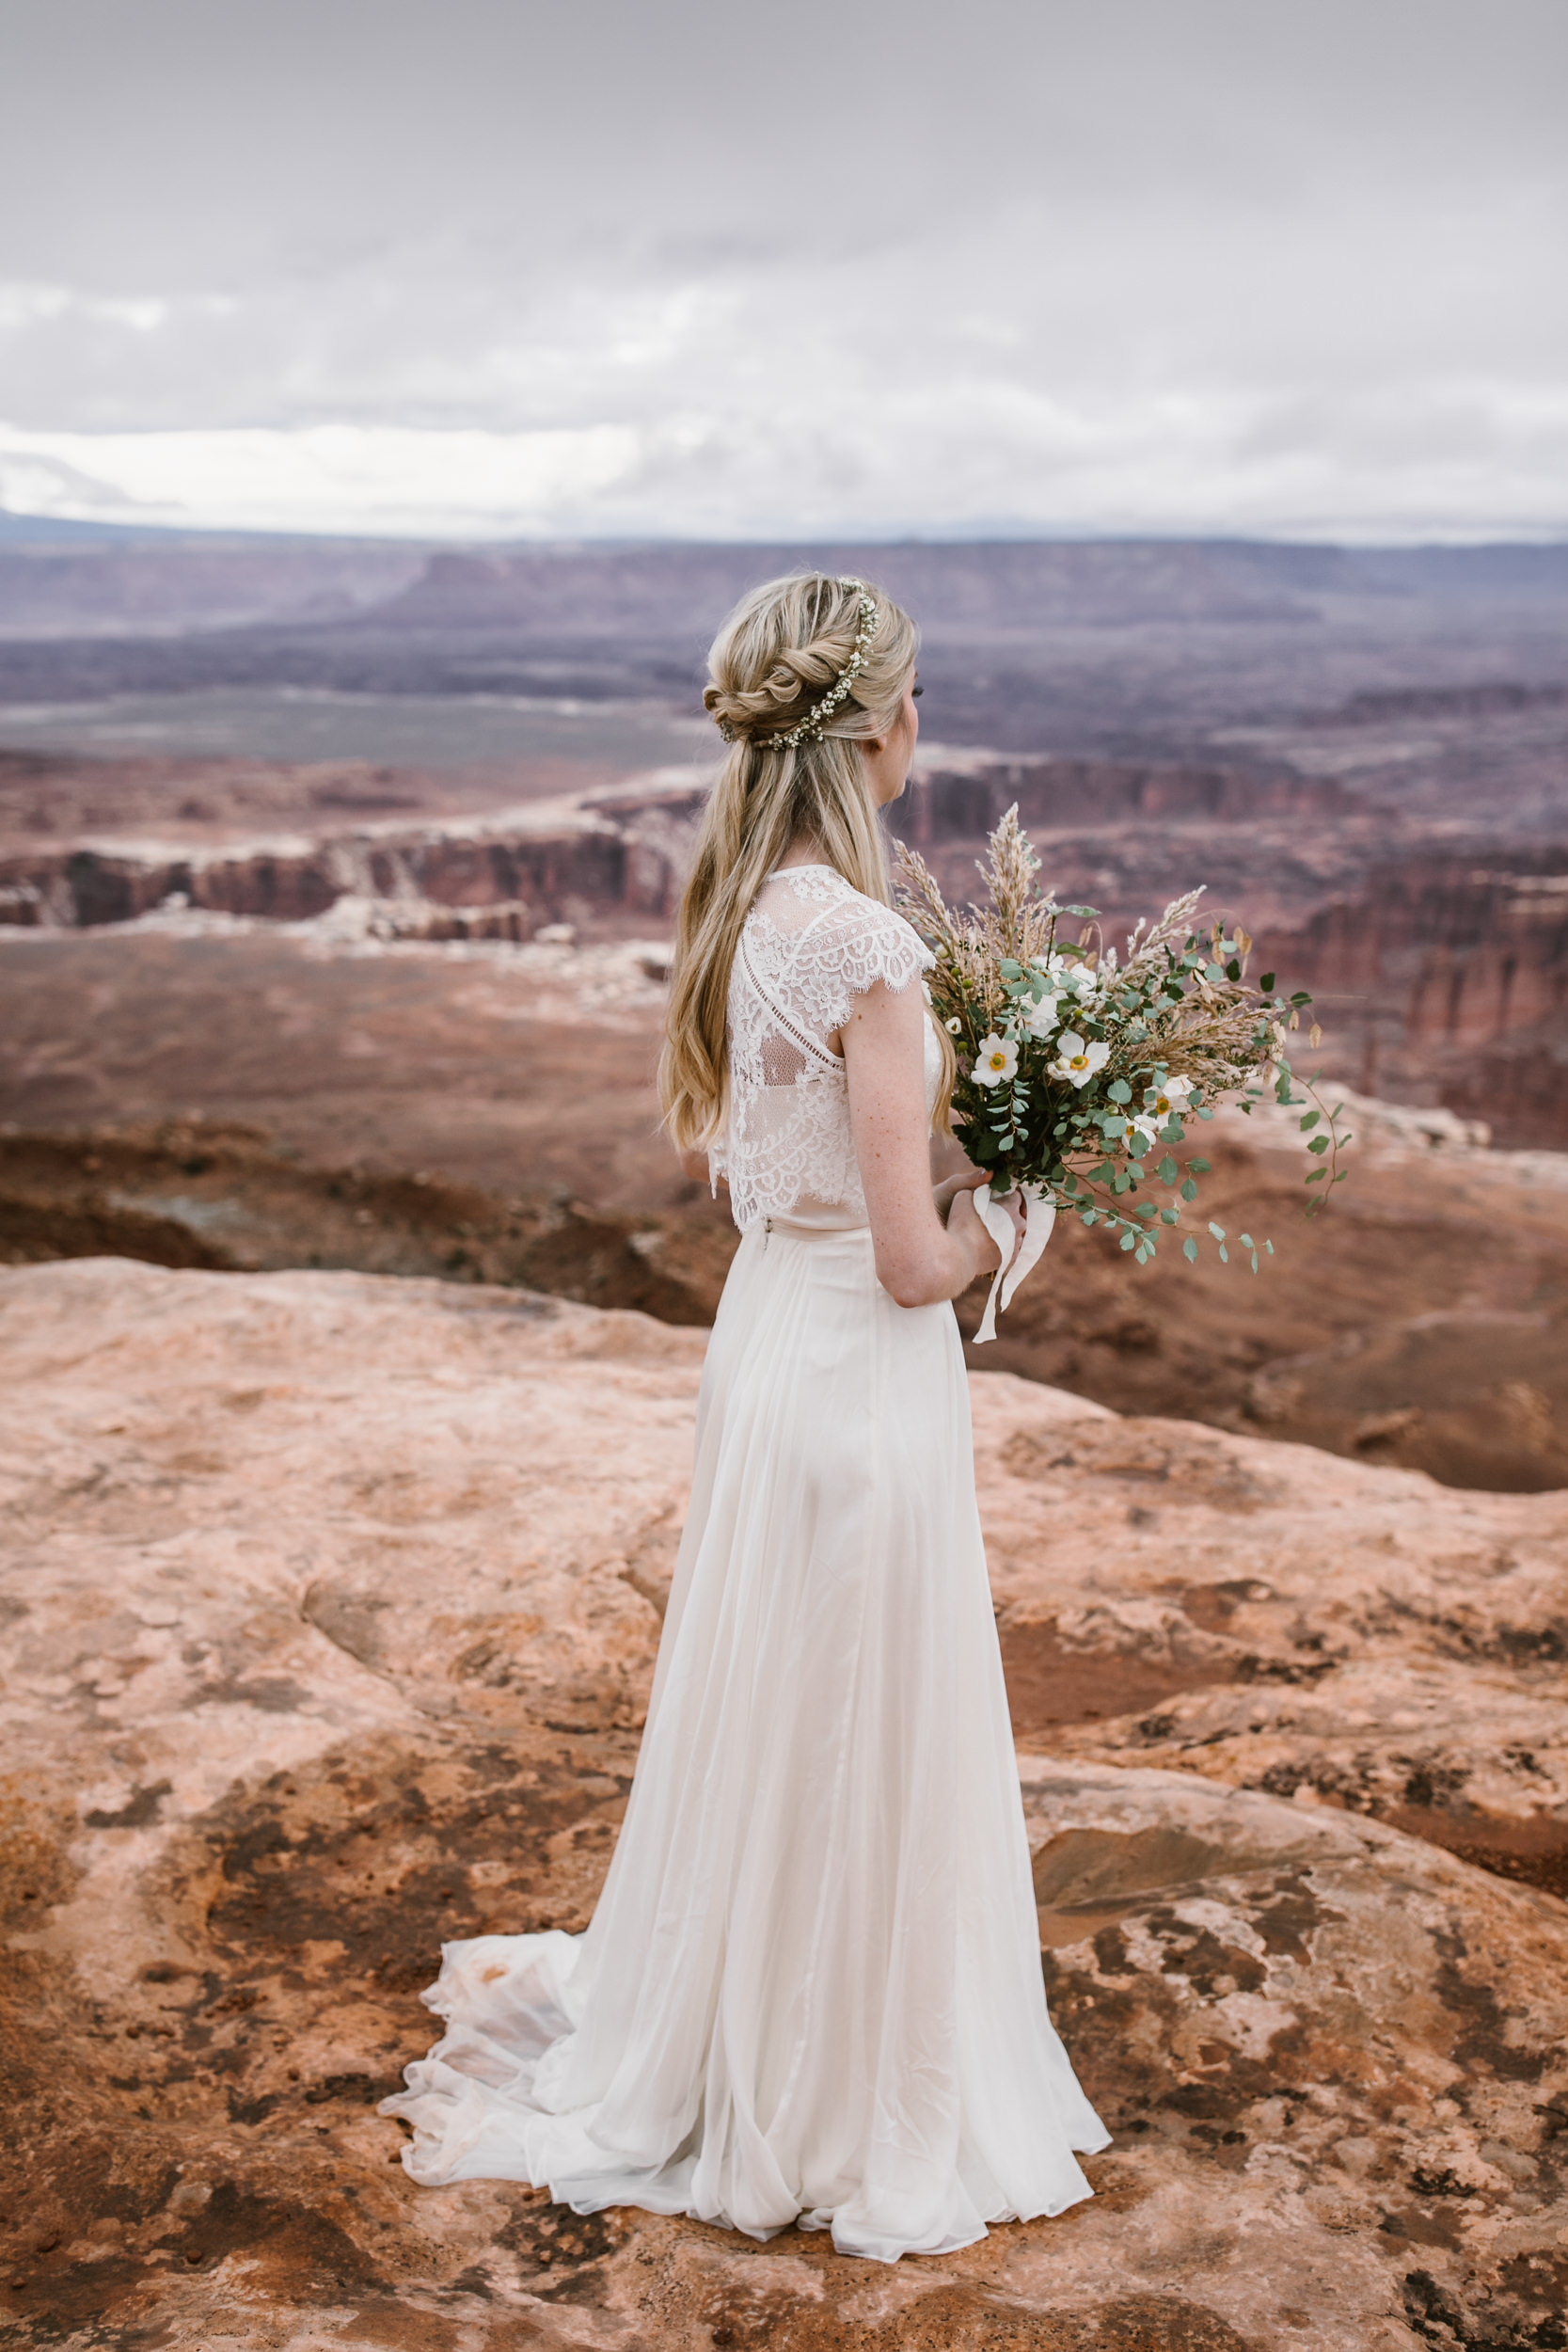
{"x":1167,"y":263}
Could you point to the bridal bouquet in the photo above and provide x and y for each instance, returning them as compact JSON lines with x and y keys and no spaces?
{"x":1079,"y":1075}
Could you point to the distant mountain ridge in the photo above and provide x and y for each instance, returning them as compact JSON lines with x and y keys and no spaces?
{"x":58,"y":577}
{"x":1120,"y":648}
{"x":1006,"y":584}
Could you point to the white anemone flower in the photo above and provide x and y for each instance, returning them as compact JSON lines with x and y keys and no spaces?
{"x":1045,"y":1016}
{"x":996,"y":1063}
{"x":1170,"y":1101}
{"x":1076,"y":1059}
{"x":1142,"y":1127}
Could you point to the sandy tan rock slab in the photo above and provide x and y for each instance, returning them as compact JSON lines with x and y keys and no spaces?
{"x":1277,"y":1617}
{"x":331,"y":1602}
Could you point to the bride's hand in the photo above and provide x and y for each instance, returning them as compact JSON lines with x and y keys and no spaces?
{"x":956,"y":1207}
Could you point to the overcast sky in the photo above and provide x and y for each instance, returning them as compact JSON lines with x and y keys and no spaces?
{"x":636,"y":267}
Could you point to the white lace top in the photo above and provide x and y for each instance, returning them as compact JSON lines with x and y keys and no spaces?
{"x":810,"y":946}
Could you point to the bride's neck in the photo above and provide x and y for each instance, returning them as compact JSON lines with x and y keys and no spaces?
{"x":803,"y":851}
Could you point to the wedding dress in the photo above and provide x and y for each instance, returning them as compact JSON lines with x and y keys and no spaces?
{"x":810,"y":1991}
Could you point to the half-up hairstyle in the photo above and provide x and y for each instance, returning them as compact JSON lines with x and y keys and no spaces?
{"x":778,"y":657}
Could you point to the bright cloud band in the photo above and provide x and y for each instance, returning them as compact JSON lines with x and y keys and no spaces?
{"x":1467,"y":464}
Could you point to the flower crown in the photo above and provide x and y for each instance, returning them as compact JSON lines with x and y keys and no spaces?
{"x":811,"y":727}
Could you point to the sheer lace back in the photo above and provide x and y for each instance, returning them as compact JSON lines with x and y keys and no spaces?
{"x":810,"y":946}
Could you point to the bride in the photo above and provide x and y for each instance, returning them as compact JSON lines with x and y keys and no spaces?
{"x":811,"y":1991}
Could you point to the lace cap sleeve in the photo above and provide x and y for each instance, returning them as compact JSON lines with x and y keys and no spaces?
{"x":859,"y":944}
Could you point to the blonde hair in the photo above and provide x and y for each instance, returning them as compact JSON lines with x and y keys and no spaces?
{"x":781,"y":651}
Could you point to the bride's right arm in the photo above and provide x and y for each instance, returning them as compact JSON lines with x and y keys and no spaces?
{"x":919,"y":1259}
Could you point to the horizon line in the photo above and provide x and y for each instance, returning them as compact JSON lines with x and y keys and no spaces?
{"x":41,"y":529}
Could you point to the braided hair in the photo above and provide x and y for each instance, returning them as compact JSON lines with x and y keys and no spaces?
{"x":793,"y":770}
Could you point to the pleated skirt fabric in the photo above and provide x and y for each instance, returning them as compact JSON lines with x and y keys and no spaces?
{"x":810,"y":1991}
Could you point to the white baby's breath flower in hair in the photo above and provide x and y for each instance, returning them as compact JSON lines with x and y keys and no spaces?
{"x":996,"y":1062}
{"x":1076,"y":1059}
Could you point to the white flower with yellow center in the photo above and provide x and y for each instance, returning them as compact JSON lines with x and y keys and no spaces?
{"x":1171,"y":1101}
{"x":996,"y":1063}
{"x":1076,"y":1059}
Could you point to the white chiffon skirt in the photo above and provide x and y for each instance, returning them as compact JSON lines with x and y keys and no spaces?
{"x":811,"y":1991}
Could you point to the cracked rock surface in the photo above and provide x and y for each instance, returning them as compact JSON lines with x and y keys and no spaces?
{"x":329,"y":1612}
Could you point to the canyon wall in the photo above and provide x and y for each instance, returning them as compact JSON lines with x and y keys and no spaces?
{"x":1438,"y":969}
{"x":1448,"y":978}
{"x":611,"y":856}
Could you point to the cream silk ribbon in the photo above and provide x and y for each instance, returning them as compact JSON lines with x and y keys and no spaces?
{"x":1039,"y":1218}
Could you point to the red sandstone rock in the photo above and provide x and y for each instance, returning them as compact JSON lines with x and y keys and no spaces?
{"x":332,"y":1605}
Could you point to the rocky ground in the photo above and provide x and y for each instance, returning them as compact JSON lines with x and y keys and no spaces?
{"x":330,"y":1608}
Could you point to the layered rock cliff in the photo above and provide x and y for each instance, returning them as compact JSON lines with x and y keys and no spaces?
{"x":1415,"y":886}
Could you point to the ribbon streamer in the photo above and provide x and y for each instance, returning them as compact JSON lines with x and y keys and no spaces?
{"x":1040,"y":1218}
